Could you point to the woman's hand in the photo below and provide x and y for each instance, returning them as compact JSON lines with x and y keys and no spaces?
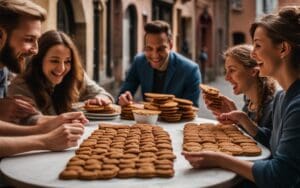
{"x":237,"y":117}
{"x":205,"y":159}
{"x":240,"y":118}
{"x":210,"y":159}
{"x":69,"y":117}
{"x":65,"y":136}
{"x":227,"y":105}
{"x":99,"y":100}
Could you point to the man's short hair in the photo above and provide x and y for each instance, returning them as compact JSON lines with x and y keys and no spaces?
{"x":12,"y":10}
{"x":157,"y":27}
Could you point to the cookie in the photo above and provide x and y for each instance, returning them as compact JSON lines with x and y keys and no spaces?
{"x":209,"y":90}
{"x":68,"y":175}
{"x":93,"y":108}
{"x":183,"y":101}
{"x":127,"y":173}
{"x":251,"y":150}
{"x":88,"y":175}
{"x":146,"y":172}
{"x":165,"y":172}
{"x":159,"y":96}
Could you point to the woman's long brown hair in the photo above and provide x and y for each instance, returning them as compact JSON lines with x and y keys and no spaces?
{"x":64,"y":94}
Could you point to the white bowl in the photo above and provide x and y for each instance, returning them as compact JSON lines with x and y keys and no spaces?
{"x":145,"y":116}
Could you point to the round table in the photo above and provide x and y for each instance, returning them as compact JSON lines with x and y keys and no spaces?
{"x":41,"y":168}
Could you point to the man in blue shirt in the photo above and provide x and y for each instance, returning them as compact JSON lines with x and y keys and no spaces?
{"x":160,"y":70}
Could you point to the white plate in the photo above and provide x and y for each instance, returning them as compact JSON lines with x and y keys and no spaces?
{"x":102,"y":117}
{"x":101,"y":114}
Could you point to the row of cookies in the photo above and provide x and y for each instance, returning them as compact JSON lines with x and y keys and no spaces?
{"x":220,"y":138}
{"x":122,"y":151}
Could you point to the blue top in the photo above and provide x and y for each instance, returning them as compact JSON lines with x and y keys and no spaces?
{"x":3,"y":82}
{"x":283,"y":169}
{"x":265,"y":120}
{"x":182,"y":79}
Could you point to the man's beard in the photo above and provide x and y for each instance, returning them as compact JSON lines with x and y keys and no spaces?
{"x":8,"y":59}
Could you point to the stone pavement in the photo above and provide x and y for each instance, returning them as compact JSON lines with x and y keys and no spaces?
{"x":226,"y":89}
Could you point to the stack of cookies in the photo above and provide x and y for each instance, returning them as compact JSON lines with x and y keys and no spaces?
{"x":164,"y":103}
{"x":219,"y":138}
{"x":186,"y":109}
{"x":170,"y":112}
{"x":101,"y":109}
{"x":122,"y":151}
{"x":212,"y":94}
{"x":126,"y":111}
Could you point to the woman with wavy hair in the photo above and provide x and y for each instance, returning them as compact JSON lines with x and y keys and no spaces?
{"x":55,"y":78}
{"x":243,"y":74}
{"x":277,"y":50}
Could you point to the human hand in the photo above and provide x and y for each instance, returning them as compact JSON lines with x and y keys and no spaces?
{"x":205,"y":159}
{"x":227,"y":105}
{"x":237,"y":117}
{"x":240,"y":118}
{"x":125,"y":99}
{"x":64,"y":136}
{"x":69,"y":117}
{"x":98,"y":100}
{"x":17,"y":107}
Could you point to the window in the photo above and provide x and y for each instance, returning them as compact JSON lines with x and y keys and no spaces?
{"x":238,"y":38}
{"x":65,"y":19}
{"x":236,"y":5}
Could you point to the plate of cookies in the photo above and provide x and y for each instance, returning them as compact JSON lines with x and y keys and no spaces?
{"x":101,"y":112}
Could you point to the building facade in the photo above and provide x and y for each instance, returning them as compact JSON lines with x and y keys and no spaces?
{"x":109,"y":33}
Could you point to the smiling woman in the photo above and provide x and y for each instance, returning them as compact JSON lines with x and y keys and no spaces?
{"x":57,"y":63}
{"x":243,"y":75}
{"x":55,"y":78}
{"x":277,"y":49}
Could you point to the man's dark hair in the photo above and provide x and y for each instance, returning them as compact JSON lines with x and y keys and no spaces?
{"x":157,"y":27}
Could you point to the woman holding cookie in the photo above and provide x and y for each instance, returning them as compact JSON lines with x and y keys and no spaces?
{"x":55,"y":78}
{"x":277,"y":51}
{"x":243,"y":75}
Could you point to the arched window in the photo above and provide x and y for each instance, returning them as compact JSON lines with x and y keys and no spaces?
{"x":129,"y":37}
{"x":162,"y":10}
{"x":205,"y":21}
{"x":65,"y":17}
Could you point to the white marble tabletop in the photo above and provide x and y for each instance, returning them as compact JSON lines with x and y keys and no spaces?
{"x":41,"y":169}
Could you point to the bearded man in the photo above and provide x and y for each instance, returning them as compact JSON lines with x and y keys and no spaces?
{"x":19,"y":33}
